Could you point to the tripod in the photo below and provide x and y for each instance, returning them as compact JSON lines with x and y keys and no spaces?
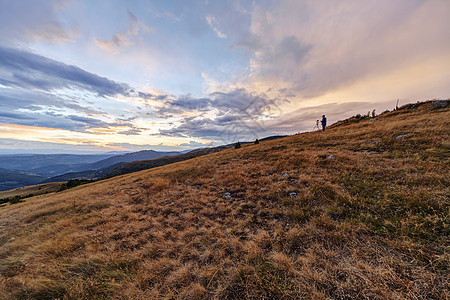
{"x":317,"y":126}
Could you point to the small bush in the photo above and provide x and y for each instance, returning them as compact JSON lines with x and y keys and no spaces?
{"x":15,"y":200}
{"x":237,"y":145}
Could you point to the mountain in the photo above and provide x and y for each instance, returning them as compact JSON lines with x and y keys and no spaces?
{"x":359,"y":211}
{"x":10,"y":179}
{"x":129,"y":157}
{"x":48,"y":164}
{"x":88,"y":174}
{"x":103,"y":167}
{"x":157,"y":162}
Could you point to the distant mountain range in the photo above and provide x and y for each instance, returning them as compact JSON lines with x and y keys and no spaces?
{"x":28,"y":169}
{"x":48,"y":164}
{"x":10,"y":179}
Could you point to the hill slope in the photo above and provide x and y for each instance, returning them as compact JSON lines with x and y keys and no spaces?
{"x":129,"y":157}
{"x":161,"y":161}
{"x":358,"y":211}
{"x":88,"y":174}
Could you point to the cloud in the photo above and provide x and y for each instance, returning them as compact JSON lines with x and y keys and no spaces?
{"x":194,"y":144}
{"x":23,"y":69}
{"x":120,"y":40}
{"x":33,"y":21}
{"x":11,"y":99}
{"x":133,"y":131}
{"x":14,"y":116}
{"x":223,"y":117}
{"x":13,"y":146}
{"x":213,"y":24}
{"x":314,"y":47}
{"x":33,"y":108}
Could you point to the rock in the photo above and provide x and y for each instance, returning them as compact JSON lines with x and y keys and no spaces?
{"x":438,"y":104}
{"x":403,"y":135}
{"x":198,"y":186}
{"x":292,"y":180}
{"x":374,"y":120}
{"x":293,"y":195}
{"x":284,"y":175}
{"x":330,"y":156}
{"x":109,"y":193}
{"x":227,"y":195}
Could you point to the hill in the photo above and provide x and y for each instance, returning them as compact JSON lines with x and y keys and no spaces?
{"x":129,"y":157}
{"x":358,"y":211}
{"x":88,"y":174}
{"x":10,"y":179}
{"x":29,"y":191}
{"x":136,"y":166}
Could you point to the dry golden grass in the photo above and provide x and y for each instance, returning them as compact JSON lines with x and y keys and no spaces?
{"x":35,"y":190}
{"x":370,"y":222}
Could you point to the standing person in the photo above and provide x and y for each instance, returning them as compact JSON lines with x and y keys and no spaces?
{"x":324,"y":122}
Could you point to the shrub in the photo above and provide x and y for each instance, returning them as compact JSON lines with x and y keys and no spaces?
{"x":237,"y":145}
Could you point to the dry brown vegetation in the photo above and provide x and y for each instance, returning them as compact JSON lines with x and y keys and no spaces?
{"x":350,"y":213}
{"x":32,"y":190}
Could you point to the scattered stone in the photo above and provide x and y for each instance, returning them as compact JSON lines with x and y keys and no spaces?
{"x":438,"y":104}
{"x":374,"y":120}
{"x":109,"y":193}
{"x":330,"y":156}
{"x":292,"y":180}
{"x":284,"y":175}
{"x":367,"y":151}
{"x":293,"y":195}
{"x":375,"y":142}
{"x":227,"y":195}
{"x":403,"y":135}
{"x":198,"y":186}
{"x":287,"y":224}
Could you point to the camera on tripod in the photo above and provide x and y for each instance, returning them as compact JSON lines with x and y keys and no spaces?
{"x":317,"y":125}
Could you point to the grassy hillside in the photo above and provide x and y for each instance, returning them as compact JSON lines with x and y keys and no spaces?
{"x":31,"y":190}
{"x":161,"y":161}
{"x":358,"y":211}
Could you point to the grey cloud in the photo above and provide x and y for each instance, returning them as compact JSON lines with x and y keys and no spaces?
{"x":189,"y":103}
{"x":11,"y":99}
{"x":133,"y":131}
{"x":319,"y":46}
{"x":40,"y":109}
{"x":15,"y":116}
{"x":237,"y":112}
{"x":123,"y":39}
{"x":88,"y":122}
{"x":23,"y":69}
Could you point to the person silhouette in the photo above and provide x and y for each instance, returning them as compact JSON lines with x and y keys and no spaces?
{"x":324,"y":122}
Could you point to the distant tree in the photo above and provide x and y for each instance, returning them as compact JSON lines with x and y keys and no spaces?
{"x":256,"y":142}
{"x":237,"y":145}
{"x":373,"y":114}
{"x":368,"y":114}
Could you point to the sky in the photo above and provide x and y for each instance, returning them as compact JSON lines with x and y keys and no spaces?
{"x":114,"y":75}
